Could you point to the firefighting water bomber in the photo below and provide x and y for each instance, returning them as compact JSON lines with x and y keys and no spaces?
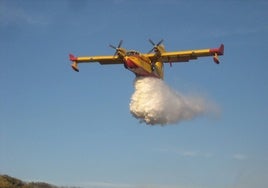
{"x":147,"y":64}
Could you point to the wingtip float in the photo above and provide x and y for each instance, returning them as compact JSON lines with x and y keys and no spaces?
{"x":147,"y":64}
{"x":74,"y":64}
{"x":216,"y":52}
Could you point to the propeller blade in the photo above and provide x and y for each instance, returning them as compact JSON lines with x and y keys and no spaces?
{"x":120,"y":43}
{"x":150,"y":40}
{"x":160,"y":42}
{"x":116,"y":48}
{"x":112,"y":46}
{"x":151,"y":51}
{"x":155,"y":45}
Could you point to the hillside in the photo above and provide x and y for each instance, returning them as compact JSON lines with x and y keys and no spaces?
{"x":11,"y":182}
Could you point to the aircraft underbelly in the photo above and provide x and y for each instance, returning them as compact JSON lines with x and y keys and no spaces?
{"x":139,"y":67}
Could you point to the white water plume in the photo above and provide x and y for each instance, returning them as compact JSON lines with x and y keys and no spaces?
{"x":154,"y":102}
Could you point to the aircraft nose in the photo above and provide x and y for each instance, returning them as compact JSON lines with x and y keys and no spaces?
{"x":130,"y":63}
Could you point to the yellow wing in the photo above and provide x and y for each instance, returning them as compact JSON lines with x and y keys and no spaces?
{"x":104,"y":60}
{"x":184,"y":56}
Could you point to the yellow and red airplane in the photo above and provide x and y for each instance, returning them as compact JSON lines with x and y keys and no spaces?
{"x":147,"y":64}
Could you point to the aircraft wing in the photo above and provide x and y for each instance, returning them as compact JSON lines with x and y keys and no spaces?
{"x":185,"y":56}
{"x":104,"y":60}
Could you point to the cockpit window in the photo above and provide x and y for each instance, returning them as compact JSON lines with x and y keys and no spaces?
{"x":132,"y":52}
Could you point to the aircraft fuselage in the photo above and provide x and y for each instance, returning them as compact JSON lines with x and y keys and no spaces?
{"x":141,"y":65}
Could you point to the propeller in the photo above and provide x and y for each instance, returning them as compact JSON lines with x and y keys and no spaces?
{"x":155,"y":45}
{"x":117,"y":48}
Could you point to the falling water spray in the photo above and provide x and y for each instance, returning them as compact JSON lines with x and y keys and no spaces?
{"x":154,"y":102}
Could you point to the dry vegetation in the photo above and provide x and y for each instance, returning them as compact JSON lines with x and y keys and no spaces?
{"x":10,"y":182}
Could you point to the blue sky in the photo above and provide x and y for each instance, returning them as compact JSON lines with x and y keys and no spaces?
{"x":70,"y":128}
